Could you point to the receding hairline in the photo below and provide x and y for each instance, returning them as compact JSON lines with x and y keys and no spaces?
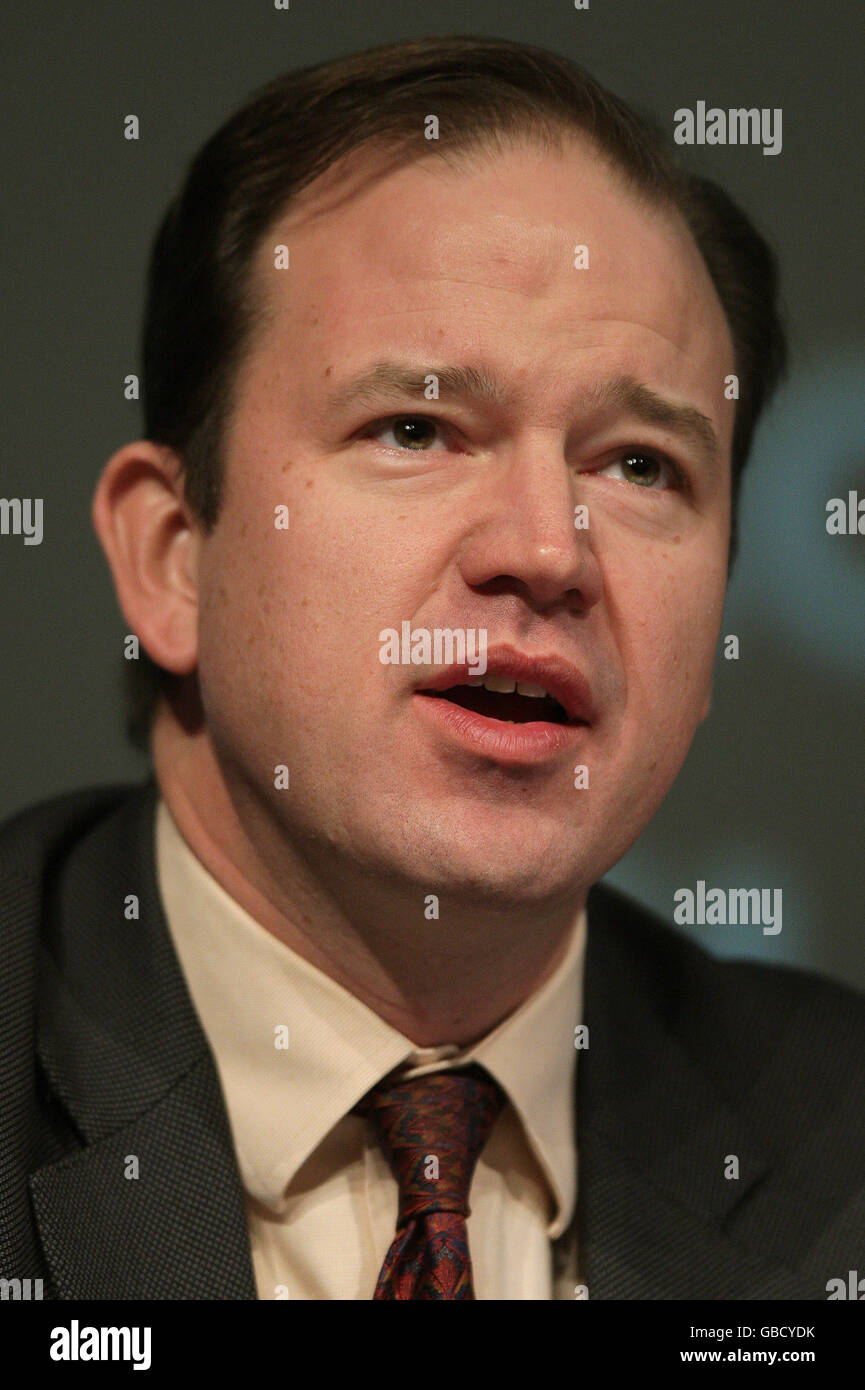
{"x":372,"y":160}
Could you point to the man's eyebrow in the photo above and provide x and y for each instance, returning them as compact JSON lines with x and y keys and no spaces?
{"x":396,"y":380}
{"x":390,"y":379}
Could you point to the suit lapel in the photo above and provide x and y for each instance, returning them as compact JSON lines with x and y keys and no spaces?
{"x":656,"y":1213}
{"x":153,"y":1211}
{"x":638,"y":1242}
{"x":151,"y":1206}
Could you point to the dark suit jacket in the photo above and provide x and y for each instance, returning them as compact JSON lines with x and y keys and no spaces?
{"x":689,"y":1060}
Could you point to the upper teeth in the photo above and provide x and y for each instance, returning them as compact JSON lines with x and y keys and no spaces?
{"x":501,"y":685}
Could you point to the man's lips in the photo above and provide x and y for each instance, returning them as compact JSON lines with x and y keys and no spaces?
{"x":552,"y":674}
{"x":503,"y":727}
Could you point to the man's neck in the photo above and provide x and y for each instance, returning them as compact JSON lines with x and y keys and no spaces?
{"x":448,"y":980}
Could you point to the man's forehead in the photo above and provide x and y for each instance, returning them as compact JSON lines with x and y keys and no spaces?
{"x":430,"y":251}
{"x":513,"y":222}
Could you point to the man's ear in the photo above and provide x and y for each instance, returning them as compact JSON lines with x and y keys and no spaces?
{"x":151,"y":541}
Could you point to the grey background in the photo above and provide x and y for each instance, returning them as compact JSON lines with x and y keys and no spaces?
{"x":771,"y":795}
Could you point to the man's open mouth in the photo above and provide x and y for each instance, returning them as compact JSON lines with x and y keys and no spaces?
{"x":496,"y":697}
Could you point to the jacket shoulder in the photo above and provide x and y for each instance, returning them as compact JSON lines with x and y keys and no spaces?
{"x":734,"y":1014}
{"x":30,"y":838}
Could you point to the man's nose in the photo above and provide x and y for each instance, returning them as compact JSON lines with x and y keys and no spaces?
{"x":526,"y":537}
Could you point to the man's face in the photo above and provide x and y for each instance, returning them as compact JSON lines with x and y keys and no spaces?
{"x":465,"y":519}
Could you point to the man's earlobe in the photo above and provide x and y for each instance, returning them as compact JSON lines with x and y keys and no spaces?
{"x":151,"y":543}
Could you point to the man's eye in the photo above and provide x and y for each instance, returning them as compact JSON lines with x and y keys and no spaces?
{"x":411,"y":432}
{"x":645,"y":470}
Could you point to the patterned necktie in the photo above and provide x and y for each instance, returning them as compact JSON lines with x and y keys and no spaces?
{"x":432,"y":1129}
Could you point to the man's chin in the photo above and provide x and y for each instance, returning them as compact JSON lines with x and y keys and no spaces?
{"x":497,"y":879}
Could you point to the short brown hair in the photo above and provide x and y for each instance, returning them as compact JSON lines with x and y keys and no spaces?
{"x":199,"y":315}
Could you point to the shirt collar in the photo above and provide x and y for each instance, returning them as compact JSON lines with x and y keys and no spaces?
{"x":283,"y":1100}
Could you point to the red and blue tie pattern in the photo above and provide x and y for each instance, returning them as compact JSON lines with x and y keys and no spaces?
{"x":432,"y":1129}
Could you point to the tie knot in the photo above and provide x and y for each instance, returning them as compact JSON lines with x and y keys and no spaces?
{"x":432,"y":1129}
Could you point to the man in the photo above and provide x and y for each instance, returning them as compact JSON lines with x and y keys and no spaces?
{"x":426,"y":545}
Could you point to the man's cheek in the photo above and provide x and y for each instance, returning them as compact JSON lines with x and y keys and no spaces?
{"x":676,"y":670}
{"x":682,"y":676}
